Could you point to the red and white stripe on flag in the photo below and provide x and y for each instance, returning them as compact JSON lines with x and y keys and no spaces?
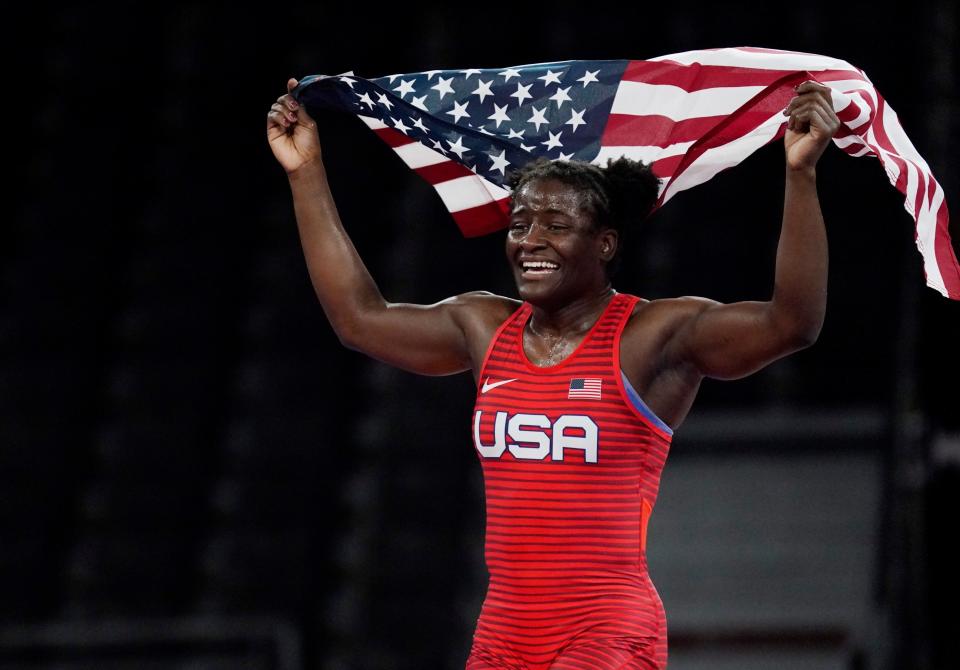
{"x":696,"y":113}
{"x":478,"y":206}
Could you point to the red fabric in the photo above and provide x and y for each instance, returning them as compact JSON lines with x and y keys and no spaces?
{"x":565,"y":536}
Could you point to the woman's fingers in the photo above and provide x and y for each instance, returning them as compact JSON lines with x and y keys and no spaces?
{"x":812,"y":104}
{"x":286,"y":110}
{"x":811,"y":115}
{"x":288,"y":101}
{"x":281,"y":115}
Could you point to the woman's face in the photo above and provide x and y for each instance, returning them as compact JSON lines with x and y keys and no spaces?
{"x":556,"y":253}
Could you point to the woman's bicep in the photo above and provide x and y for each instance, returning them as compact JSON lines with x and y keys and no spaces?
{"x":730,"y":341}
{"x":424,"y":339}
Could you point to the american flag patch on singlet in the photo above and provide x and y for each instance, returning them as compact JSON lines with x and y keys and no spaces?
{"x":585,"y":388}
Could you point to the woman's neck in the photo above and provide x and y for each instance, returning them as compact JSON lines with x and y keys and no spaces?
{"x":573,"y":318}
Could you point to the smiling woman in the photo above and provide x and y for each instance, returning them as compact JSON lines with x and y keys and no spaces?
{"x":567,"y":214}
{"x":579,"y":387}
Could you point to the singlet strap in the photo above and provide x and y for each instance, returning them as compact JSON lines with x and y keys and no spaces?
{"x":629,"y":394}
{"x":511,"y":322}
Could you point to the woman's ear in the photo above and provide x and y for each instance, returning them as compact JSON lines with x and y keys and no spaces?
{"x":608,"y":243}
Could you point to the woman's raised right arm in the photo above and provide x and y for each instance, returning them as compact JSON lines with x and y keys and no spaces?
{"x":429,"y":339}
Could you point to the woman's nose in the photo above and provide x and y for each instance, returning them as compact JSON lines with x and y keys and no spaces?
{"x":533,"y":237}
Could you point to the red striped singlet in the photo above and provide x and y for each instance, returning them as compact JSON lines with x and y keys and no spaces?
{"x":571,"y":463}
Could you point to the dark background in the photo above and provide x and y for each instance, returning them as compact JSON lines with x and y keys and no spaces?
{"x":182,"y":437}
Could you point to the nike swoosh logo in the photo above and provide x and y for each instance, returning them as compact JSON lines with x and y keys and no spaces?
{"x":487,"y":386}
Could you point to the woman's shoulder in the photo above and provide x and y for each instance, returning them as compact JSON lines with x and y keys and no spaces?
{"x":672,"y":307}
{"x":480,"y":315}
{"x":660,"y":318}
{"x":483,"y":310}
{"x":490,"y":303}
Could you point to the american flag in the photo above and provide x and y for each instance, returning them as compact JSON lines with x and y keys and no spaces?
{"x":690,"y":114}
{"x":585,"y":388}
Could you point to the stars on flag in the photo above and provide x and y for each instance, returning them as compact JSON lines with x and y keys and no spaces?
{"x":483,"y":89}
{"x":550,"y":77}
{"x":495,"y":120}
{"x":576,"y":119}
{"x":553,"y":140}
{"x":459,"y":111}
{"x":499,"y":115}
{"x":561,"y":96}
{"x":420,"y":104}
{"x":538,"y":118}
{"x":443,"y":87}
{"x":406,"y":86}
{"x":400,"y":125}
{"x":589,"y":77}
{"x":457,"y":147}
{"x":499,"y":162}
{"x":418,"y":123}
{"x":521,"y":93}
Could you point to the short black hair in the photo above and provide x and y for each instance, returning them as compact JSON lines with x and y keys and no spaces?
{"x":619,"y":195}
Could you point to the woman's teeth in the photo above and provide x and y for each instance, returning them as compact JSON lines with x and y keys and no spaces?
{"x":539,"y":267}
